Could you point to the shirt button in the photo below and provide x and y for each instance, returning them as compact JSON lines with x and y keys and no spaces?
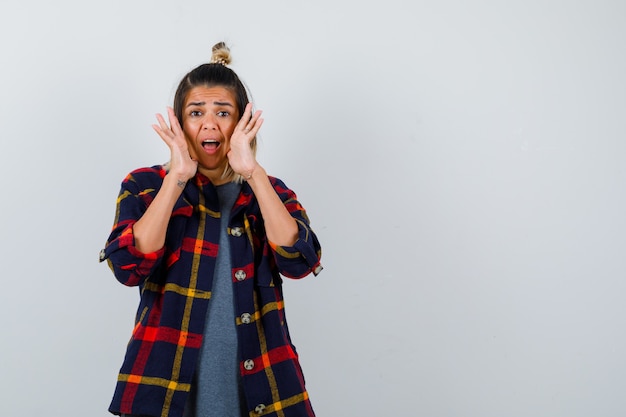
{"x":240,"y":275}
{"x":236,"y":231}
{"x":246,"y":318}
{"x":259,"y":408}
{"x":249,"y":365}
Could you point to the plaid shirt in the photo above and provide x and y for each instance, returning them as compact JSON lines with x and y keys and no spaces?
{"x":175,"y":285}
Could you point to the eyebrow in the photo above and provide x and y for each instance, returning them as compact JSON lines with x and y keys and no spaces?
{"x":216,"y":103}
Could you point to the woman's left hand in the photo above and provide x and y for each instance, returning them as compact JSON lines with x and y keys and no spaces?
{"x":240,"y":156}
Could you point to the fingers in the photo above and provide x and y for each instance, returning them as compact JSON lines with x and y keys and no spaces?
{"x":163,"y":130}
{"x":256,"y":125}
{"x":169,"y":132}
{"x":250,"y":123}
{"x":174,"y":122}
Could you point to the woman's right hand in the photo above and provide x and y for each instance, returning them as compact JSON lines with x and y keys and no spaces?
{"x":182,"y":166}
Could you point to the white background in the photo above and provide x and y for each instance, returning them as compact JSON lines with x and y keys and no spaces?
{"x":461,"y":161}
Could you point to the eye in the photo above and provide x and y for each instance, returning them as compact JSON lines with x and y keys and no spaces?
{"x":223,"y":113}
{"x":195,"y":113}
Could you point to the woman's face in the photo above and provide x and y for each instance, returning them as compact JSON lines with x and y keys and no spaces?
{"x":209,"y":117}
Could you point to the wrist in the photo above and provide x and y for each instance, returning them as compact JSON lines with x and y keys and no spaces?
{"x":255,"y":173}
{"x":177,"y":182}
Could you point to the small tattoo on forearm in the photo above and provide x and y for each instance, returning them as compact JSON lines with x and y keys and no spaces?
{"x":181,"y":183}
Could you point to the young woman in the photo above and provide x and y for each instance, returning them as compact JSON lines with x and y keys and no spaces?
{"x":206,"y":237}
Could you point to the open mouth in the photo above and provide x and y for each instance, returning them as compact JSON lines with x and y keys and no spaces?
{"x":210,"y":145}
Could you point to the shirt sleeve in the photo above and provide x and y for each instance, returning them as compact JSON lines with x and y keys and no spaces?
{"x":304,"y":256}
{"x":129,"y":265}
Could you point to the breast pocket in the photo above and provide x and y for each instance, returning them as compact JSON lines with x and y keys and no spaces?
{"x":268,"y":280}
{"x":267,"y":273}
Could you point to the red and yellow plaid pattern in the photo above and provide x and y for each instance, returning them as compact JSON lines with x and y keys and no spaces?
{"x":175,"y":286}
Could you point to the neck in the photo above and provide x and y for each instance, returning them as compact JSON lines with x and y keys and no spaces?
{"x":215,"y":175}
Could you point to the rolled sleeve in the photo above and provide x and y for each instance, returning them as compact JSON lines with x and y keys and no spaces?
{"x":130,"y":266}
{"x":303,"y":257}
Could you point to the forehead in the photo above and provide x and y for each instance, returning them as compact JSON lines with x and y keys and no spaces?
{"x":210,"y":95}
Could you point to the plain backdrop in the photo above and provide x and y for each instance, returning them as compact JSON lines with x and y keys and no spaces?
{"x":463,"y":163}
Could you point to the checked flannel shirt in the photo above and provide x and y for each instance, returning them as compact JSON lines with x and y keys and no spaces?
{"x":175,"y":285}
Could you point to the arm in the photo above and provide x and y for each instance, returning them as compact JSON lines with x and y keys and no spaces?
{"x":151,"y":228}
{"x":129,"y":265}
{"x":135,"y":246}
{"x":280,"y":226}
{"x":303,"y":256}
{"x":295,"y":246}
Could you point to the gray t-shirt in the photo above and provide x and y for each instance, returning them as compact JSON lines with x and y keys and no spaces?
{"x":216,"y":389}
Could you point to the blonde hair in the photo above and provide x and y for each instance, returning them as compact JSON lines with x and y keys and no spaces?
{"x":220,"y":54}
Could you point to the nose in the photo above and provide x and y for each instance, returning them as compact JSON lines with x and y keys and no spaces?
{"x":208,"y":123}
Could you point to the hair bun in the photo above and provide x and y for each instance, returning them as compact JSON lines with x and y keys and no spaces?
{"x":220,"y":54}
